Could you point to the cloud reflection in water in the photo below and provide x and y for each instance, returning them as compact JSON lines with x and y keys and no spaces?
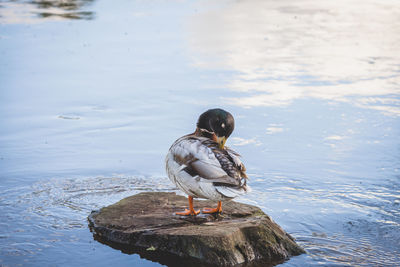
{"x":283,"y":50}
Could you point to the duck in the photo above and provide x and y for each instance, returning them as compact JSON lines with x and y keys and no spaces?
{"x":202,"y":166}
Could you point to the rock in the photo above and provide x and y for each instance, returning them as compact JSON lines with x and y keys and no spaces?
{"x":146,"y":224}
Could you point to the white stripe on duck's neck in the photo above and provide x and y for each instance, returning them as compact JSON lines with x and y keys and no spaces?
{"x":205,"y":130}
{"x":206,"y":133}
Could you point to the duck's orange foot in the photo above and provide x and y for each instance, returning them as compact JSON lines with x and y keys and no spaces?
{"x":188,"y":212}
{"x":208,"y":210}
{"x":218,"y":209}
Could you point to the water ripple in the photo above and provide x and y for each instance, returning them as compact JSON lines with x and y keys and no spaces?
{"x":49,"y":207}
{"x":336,"y":223}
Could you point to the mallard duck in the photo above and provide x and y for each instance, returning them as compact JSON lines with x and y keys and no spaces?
{"x":203,"y":167}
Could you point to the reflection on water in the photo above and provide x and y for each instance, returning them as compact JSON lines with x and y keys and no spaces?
{"x":22,"y":11}
{"x":342,"y":51}
{"x":313,"y":85}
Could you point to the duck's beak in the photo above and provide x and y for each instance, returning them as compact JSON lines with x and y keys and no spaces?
{"x":221,"y":141}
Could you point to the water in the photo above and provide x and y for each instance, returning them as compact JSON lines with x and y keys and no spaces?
{"x":92,"y":94}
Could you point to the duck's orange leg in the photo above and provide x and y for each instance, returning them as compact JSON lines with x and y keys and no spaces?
{"x":189,"y":211}
{"x":218,"y":209}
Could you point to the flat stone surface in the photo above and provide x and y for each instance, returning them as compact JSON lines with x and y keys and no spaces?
{"x":146,"y":224}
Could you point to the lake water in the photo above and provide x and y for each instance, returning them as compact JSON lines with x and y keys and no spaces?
{"x":93,"y":93}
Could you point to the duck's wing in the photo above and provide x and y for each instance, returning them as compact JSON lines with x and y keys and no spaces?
{"x":201,"y":157}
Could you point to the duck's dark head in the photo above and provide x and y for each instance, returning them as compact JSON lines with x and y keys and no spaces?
{"x":216,"y":124}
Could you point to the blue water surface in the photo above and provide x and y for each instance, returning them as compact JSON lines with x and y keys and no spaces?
{"x":93,"y":93}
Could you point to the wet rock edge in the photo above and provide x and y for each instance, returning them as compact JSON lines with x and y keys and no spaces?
{"x":248,"y":238}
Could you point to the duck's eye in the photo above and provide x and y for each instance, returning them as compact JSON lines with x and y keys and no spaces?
{"x":223,"y":125}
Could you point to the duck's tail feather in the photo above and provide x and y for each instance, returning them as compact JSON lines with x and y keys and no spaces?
{"x":232,"y":192}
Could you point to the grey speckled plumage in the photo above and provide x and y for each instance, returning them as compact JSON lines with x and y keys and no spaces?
{"x":198,"y":167}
